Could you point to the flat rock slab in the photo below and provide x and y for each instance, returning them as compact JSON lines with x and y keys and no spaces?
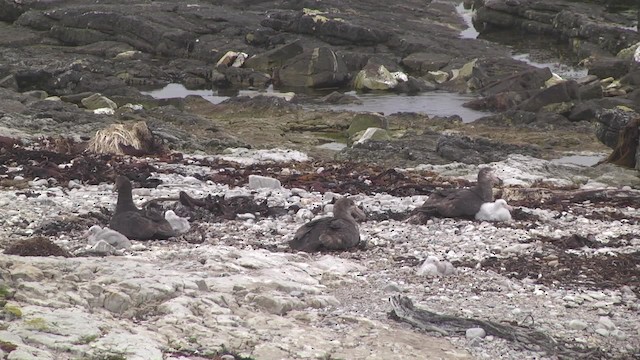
{"x":268,"y":305}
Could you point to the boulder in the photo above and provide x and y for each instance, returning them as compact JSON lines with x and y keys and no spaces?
{"x":608,"y":67}
{"x":274,"y":58}
{"x":562,"y":92}
{"x":590,"y":91}
{"x":491,"y":80}
{"x":332,"y":31}
{"x":374,"y":77}
{"x":586,"y":110}
{"x":371,"y":133}
{"x":586,"y":25}
{"x":241,"y":78}
{"x":421,"y":63}
{"x":498,"y":102}
{"x":413,"y":86}
{"x":97,"y":101}
{"x":620,"y":130}
{"x":336,"y":97}
{"x":316,"y":68}
{"x":362,"y":122}
{"x":610,"y":124}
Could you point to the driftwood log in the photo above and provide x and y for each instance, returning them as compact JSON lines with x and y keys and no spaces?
{"x":536,"y":194}
{"x":527,"y":338}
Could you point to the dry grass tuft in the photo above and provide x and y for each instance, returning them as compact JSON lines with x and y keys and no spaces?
{"x":111,"y":139}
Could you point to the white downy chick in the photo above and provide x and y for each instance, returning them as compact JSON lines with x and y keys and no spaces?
{"x":179,"y":224}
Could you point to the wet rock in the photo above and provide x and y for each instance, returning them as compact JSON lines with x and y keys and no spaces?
{"x":413,"y":86}
{"x":275,"y":58}
{"x":316,"y":68}
{"x":563,"y":92}
{"x":493,"y":77}
{"x":241,"y":78}
{"x":586,"y":25}
{"x":340,"y":98}
{"x":421,"y":63}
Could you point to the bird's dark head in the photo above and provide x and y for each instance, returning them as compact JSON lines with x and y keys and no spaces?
{"x":122,"y":183}
{"x":347,"y":205}
{"x":487,"y":174}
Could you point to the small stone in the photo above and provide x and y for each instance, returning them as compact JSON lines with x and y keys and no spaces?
{"x":577,"y":325}
{"x":474,"y":333}
{"x":227,"y":357}
{"x":102,"y":247}
{"x":304,"y":214}
{"x":246,"y":216}
{"x":235,"y":193}
{"x":619,"y":334}
{"x":392,"y":288}
{"x":263,"y":182}
{"x":606,"y":323}
{"x":602,"y":332}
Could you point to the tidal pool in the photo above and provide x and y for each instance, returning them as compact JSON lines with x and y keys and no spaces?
{"x":584,"y":160}
{"x":432,"y":103}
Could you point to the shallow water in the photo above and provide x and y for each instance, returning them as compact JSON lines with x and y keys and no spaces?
{"x":534,"y":50}
{"x":584,"y":160}
{"x":433,"y":103}
{"x":470,"y":32}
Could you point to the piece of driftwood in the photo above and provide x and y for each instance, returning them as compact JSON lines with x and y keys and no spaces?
{"x":537,"y":194}
{"x":530,"y":339}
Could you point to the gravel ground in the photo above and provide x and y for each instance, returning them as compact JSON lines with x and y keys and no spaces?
{"x":572,"y":274}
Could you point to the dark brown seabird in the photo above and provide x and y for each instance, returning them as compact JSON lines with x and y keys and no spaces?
{"x":461,"y":202}
{"x":135,"y":223}
{"x":337,"y":232}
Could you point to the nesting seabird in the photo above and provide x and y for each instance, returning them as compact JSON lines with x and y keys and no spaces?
{"x":337,"y":232}
{"x":498,"y":210}
{"x":96,"y":233}
{"x":461,"y":202}
{"x":135,"y":223}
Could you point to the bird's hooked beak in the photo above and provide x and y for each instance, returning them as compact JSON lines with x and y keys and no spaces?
{"x":358,"y":213}
{"x":496,"y":180}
